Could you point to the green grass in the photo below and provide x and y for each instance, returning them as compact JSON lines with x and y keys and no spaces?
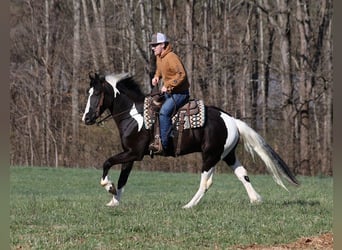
{"x":65,"y":209}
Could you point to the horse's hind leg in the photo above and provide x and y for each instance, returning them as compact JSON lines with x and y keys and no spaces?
{"x":206,"y":182}
{"x":241,"y":174}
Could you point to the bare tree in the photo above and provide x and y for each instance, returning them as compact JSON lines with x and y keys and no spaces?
{"x":75,"y":77}
{"x":304,"y":84}
{"x":189,"y":38}
{"x":89,"y":36}
{"x":262,"y":73}
{"x":99,"y":17}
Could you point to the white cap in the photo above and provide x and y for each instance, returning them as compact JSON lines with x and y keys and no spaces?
{"x":159,"y":38}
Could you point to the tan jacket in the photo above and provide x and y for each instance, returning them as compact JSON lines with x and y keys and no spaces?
{"x":171,"y":70}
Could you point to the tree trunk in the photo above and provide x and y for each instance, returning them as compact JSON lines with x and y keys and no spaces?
{"x":304,"y":87}
{"x":131,"y":36}
{"x":328,"y":119}
{"x":162,"y":17}
{"x":254,"y":71}
{"x":100,"y":27}
{"x":263,"y":101}
{"x":48,"y":88}
{"x":93,"y":51}
{"x":75,"y":79}
{"x":281,"y":24}
{"x":189,"y":38}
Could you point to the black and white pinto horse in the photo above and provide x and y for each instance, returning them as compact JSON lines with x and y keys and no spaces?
{"x":216,"y":140}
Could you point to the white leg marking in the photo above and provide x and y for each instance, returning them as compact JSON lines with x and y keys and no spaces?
{"x":107,"y":184}
{"x":206,"y":181}
{"x":241,"y":174}
{"x":115,"y":201}
{"x":233,"y":134}
{"x":104,"y":181}
{"x":210,"y":177}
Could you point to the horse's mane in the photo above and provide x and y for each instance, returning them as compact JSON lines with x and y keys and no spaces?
{"x":131,"y":88}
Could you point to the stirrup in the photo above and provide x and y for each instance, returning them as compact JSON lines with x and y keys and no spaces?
{"x":156,"y":149}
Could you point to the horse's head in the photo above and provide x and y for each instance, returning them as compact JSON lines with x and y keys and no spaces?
{"x":94,"y":107}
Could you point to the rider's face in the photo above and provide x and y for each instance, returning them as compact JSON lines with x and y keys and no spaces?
{"x":158,"y":49}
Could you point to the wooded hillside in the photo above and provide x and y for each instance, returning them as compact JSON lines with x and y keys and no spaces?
{"x":267,"y":62}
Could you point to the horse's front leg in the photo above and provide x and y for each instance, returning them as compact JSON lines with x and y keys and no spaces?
{"x":125,"y":171}
{"x":128,"y":158}
{"x":105,"y":182}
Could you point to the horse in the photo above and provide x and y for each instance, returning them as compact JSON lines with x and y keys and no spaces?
{"x":216,"y":140}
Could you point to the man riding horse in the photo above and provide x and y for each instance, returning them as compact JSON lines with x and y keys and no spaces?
{"x":175,"y":87}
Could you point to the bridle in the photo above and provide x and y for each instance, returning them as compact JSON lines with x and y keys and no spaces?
{"x":103,"y":120}
{"x":100,"y":102}
{"x":116,"y":115}
{"x":109,"y":115}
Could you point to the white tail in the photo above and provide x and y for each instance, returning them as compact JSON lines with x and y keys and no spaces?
{"x":254,"y":143}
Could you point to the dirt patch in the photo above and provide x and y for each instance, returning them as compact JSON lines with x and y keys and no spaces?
{"x":321,"y":242}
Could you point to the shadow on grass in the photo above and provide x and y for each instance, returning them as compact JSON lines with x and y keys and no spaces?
{"x":301,"y":203}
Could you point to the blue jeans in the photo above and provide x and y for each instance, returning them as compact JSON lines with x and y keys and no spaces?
{"x":172,"y":103}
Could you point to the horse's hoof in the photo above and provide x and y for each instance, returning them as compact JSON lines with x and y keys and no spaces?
{"x":257,"y":201}
{"x":113,"y":203}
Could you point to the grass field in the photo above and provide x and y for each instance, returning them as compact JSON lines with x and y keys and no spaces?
{"x":65,"y":209}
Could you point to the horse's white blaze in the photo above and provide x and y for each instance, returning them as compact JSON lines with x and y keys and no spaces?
{"x":241,"y":174}
{"x":136,"y":116}
{"x":91,"y":91}
{"x":206,"y":181}
{"x":113,"y":79}
{"x":232,"y":136}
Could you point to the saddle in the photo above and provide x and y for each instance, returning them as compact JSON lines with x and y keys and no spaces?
{"x":190,"y":115}
{"x":193,"y":113}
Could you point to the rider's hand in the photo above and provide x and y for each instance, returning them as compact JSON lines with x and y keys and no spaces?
{"x":163,"y":89}
{"x":155,"y":81}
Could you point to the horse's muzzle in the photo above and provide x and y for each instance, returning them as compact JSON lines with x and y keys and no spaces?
{"x":89,"y":119}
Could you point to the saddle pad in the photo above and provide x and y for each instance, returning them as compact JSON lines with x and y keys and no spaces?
{"x":192,"y":121}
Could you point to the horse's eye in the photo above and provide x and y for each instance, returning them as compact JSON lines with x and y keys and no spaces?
{"x":97,"y":92}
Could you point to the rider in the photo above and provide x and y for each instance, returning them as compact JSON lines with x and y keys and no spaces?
{"x":175,"y":86}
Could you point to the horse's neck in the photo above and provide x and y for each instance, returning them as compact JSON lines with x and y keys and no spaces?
{"x":122,"y":107}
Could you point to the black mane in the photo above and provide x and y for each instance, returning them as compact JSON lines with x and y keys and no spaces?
{"x":131,"y":88}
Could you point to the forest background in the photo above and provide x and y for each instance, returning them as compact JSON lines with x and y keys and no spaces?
{"x":267,"y":62}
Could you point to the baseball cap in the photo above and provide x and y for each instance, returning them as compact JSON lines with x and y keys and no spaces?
{"x":159,"y":38}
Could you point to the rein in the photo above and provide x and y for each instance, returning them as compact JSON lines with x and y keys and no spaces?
{"x":108,"y":116}
{"x":98,"y":123}
{"x":116,"y":115}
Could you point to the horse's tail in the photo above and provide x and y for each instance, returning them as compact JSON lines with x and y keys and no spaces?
{"x":254,"y":143}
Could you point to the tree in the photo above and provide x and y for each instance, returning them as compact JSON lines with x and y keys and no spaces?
{"x":75,"y":77}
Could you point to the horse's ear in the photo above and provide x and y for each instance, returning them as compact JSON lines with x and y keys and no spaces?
{"x":91,"y":75}
{"x":102,"y":77}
